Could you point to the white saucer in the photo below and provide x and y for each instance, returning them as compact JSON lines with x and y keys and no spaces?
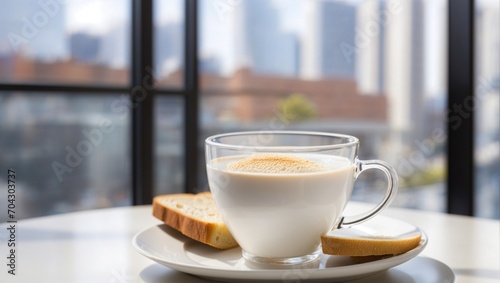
{"x":170,"y":248}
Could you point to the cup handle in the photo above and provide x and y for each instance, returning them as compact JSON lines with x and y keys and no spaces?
{"x":392,"y":187}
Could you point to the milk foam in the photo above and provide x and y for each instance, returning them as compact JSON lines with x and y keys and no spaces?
{"x":275,"y":164}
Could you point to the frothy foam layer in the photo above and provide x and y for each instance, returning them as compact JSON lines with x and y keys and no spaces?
{"x":274,"y":163}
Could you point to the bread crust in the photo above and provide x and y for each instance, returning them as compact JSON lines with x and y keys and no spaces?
{"x":361,"y":247}
{"x":194,"y":228}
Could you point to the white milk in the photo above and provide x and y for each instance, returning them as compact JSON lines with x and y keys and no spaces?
{"x":281,"y":214}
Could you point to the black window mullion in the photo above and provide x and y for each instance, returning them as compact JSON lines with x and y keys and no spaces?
{"x":191,"y":96}
{"x":461,"y":114}
{"x":165,"y":92}
{"x":142,"y":98}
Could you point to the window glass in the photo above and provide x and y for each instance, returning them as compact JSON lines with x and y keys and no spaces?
{"x":64,"y":42}
{"x":169,"y":140}
{"x":374,"y":69}
{"x":168,"y":42}
{"x":486,"y":104}
{"x":70,"y":152}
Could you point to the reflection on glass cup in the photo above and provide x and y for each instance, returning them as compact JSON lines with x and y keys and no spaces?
{"x":279,"y":191}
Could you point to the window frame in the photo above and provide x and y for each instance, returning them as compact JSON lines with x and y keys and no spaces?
{"x":460,"y":144}
{"x":460,"y":155}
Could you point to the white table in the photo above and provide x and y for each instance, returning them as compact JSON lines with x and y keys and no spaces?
{"x":95,"y":246}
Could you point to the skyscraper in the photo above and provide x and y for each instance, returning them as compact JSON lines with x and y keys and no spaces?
{"x":371,"y":20}
{"x":404,"y":69}
{"x":84,"y":47}
{"x":487,"y":84}
{"x":261,"y":44}
{"x":328,"y":48}
{"x":488,"y":43}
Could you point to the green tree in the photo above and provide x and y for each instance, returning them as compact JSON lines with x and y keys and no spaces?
{"x":296,"y":107}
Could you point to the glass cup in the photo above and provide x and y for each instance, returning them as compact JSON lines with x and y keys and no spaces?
{"x":279,"y":191}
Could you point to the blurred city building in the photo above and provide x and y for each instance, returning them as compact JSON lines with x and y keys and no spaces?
{"x":260,"y":43}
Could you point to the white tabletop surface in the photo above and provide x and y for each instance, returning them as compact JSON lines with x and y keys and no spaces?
{"x":96,"y":246}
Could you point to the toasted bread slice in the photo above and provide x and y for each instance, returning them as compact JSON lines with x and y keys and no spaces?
{"x":196,"y":216}
{"x":345,"y":243}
